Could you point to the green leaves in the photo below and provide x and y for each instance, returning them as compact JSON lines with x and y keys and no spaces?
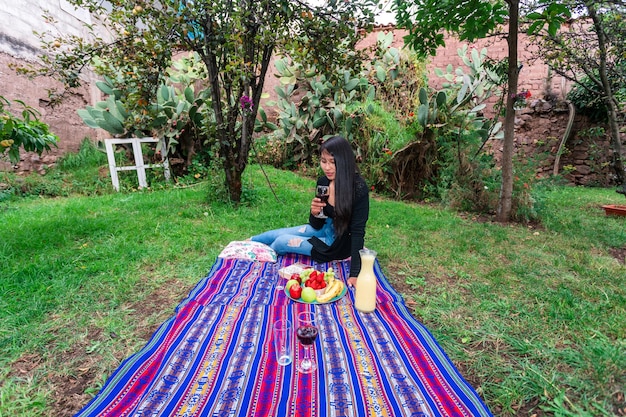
{"x":110,"y":123}
{"x":88,"y":118}
{"x":423,"y":96}
{"x":381,"y":75}
{"x":173,"y":112}
{"x":441,"y":98}
{"x":351,"y":85}
{"x":25,"y":132}
{"x":553,"y":16}
{"x":189,"y":94}
{"x":422,"y":114}
{"x":164,"y":93}
{"x":321,"y":109}
{"x":428,"y":20}
{"x":104,"y":87}
{"x":104,"y":117}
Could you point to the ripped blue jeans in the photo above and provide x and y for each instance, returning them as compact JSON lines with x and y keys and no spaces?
{"x":295,"y":239}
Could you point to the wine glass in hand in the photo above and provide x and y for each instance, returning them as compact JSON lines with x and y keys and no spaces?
{"x":322,"y":192}
{"x":307,"y":333}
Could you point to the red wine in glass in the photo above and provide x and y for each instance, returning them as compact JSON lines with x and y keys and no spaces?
{"x":307,"y":334}
{"x":322,"y":192}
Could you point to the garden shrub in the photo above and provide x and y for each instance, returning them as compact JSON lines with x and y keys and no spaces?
{"x":380,"y":139}
{"x":88,"y":156}
{"x":588,"y":99}
{"x":314,"y":106}
{"x":273,"y":150}
{"x":180,"y":111}
{"x":23,"y":132}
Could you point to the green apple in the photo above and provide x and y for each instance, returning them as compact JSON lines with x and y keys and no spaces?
{"x":308,"y":295}
{"x":290,"y":283}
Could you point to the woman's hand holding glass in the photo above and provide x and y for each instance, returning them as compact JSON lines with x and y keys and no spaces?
{"x":317,"y":207}
{"x":322,"y":193}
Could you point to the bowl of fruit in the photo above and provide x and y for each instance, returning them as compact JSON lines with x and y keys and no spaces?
{"x":315,"y":287}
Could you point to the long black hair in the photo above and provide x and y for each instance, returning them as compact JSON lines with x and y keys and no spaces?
{"x":345,"y":173}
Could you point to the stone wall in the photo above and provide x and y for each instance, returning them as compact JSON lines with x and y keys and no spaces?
{"x":539,"y":131}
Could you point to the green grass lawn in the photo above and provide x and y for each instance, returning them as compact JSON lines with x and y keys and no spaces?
{"x":534,"y":317}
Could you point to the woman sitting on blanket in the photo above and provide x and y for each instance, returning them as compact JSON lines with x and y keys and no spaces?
{"x":340,"y":233}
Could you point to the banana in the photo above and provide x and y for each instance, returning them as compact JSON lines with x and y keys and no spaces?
{"x":332,"y":291}
{"x":340,"y":289}
{"x":327,"y":294}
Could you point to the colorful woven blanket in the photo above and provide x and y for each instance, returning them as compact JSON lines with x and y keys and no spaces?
{"x":215,"y":356}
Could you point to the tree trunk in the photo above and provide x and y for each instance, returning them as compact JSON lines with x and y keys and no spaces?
{"x":233,"y":182}
{"x":616,"y":146}
{"x":503,"y":213}
{"x":616,"y":141}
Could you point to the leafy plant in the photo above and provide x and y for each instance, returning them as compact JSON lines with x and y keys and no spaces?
{"x":273,"y":150}
{"x":110,"y":114}
{"x":454,"y":131}
{"x":317,"y":108}
{"x":382,"y":137}
{"x":588,"y":99}
{"x":474,"y":83}
{"x":372,"y":107}
{"x":179,"y":114}
{"x":182,"y":117}
{"x":397,"y":75}
{"x":25,"y":132}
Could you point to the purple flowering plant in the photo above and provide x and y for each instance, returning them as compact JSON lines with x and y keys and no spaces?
{"x":519,"y":99}
{"x":246,"y":104}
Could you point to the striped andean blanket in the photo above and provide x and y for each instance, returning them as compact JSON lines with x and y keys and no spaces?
{"x":215,"y":357}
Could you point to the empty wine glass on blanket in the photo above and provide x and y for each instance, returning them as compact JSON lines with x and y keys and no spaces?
{"x":283,"y":336}
{"x":322,"y":192}
{"x":307,"y":333}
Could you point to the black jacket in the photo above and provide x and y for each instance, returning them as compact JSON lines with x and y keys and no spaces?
{"x":350,"y":242}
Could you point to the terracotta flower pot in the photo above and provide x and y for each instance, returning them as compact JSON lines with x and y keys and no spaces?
{"x":614,"y":210}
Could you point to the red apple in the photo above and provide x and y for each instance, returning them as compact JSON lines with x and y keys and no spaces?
{"x":296,"y":276}
{"x":295,"y":291}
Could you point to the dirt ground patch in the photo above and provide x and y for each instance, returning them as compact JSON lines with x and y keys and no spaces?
{"x":74,"y":376}
{"x":81,"y":371}
{"x":619,"y":254}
